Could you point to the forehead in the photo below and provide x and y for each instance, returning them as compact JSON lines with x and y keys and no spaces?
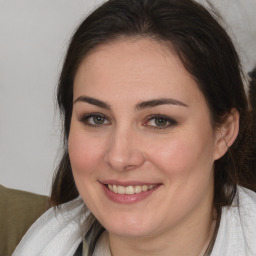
{"x":135,"y":68}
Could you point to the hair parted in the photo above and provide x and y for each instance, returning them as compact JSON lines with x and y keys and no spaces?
{"x":206,"y":52}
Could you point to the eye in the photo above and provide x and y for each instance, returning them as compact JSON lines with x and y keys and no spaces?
{"x":160,"y":122}
{"x":94,"y":119}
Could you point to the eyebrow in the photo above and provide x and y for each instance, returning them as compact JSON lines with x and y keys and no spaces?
{"x":139,"y":106}
{"x":93,"y":101}
{"x":158,"y":102}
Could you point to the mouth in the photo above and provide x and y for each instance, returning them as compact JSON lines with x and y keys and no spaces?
{"x":129,"y":190}
{"x":126,"y":192}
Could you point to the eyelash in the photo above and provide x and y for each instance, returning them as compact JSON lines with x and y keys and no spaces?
{"x":85,"y":119}
{"x":171,"y":122}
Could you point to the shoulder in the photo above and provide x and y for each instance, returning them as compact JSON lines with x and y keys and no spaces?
{"x":237,"y":230}
{"x":246,"y":210}
{"x":246,"y":198}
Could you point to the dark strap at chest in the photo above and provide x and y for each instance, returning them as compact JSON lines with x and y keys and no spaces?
{"x":79,"y":251}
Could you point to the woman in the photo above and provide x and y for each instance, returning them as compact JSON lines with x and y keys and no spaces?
{"x":156,"y":128}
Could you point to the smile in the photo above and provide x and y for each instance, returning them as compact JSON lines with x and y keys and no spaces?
{"x":129,"y":190}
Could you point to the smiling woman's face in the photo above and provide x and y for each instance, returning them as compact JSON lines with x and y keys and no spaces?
{"x":141,"y":143}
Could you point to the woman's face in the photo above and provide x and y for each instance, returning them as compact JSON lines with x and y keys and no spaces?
{"x":141,"y":143}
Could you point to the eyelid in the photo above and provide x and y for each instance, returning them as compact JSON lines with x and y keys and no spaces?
{"x":172,"y":122}
{"x":85,"y":117}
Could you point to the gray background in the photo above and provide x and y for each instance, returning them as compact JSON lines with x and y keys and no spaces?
{"x":33,"y":39}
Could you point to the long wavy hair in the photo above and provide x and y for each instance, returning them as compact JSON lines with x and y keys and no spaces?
{"x":206,"y":52}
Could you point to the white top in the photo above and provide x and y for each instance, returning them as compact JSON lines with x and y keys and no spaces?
{"x":59,"y":232}
{"x":237,"y":231}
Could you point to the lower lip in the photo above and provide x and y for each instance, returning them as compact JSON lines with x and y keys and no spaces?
{"x":128,"y":199}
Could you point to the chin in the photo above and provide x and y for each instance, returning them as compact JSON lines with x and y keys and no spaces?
{"x":130,"y":227}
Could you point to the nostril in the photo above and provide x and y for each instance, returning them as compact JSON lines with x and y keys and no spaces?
{"x":130,"y":167}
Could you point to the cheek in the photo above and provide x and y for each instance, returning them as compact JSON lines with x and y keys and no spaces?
{"x":173,"y":156}
{"x":183,"y":154}
{"x":84,"y":153}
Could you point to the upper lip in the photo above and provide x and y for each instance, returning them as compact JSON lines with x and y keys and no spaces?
{"x":127,"y":183}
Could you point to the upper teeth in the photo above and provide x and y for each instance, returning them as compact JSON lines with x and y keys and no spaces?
{"x":129,"y":190}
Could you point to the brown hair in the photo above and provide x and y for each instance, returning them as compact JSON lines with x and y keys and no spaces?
{"x":206,"y":52}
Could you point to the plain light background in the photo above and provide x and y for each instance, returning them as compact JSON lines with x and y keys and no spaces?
{"x":33,"y":38}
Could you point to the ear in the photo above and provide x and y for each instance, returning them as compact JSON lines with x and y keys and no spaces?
{"x":226,"y":134}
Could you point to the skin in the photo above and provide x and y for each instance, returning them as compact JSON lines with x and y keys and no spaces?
{"x":129,"y":146}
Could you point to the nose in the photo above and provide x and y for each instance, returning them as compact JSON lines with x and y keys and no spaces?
{"x":124,"y":151}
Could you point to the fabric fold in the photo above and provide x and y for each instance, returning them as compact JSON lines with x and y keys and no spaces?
{"x":58,"y":232}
